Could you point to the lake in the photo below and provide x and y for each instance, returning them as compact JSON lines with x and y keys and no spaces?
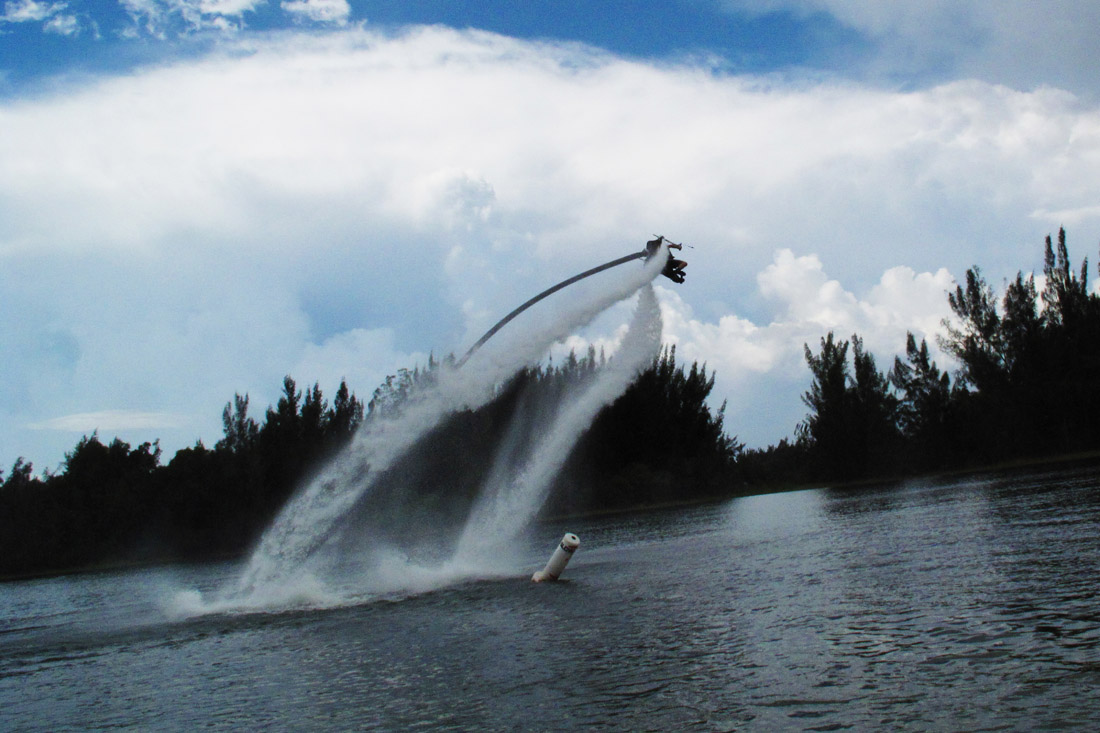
{"x":968,"y":604}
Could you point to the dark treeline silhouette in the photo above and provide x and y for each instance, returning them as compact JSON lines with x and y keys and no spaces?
{"x":111,"y":503}
{"x":1028,"y":386}
{"x":658,"y":443}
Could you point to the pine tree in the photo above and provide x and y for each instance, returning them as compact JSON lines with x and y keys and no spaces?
{"x":828,"y":427}
{"x":977,"y":341}
{"x":925,"y":405}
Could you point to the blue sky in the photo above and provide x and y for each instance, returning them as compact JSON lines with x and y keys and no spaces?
{"x":198,"y":197}
{"x":906,"y":44}
{"x":43,"y":39}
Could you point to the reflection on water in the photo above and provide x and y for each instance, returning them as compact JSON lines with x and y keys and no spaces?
{"x":950,"y":605}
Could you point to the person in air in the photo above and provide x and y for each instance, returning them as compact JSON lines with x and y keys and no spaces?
{"x":674,"y":268}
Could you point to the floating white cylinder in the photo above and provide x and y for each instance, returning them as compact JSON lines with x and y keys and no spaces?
{"x":568,"y":545}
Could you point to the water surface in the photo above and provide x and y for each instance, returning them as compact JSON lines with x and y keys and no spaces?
{"x":965,"y":605}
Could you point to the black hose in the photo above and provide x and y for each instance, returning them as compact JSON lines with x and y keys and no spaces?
{"x":543,"y":294}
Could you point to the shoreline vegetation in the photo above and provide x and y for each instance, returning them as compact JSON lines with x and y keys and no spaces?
{"x":1027,"y":393}
{"x":1049,"y":462}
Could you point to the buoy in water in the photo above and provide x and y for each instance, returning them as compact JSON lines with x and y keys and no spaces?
{"x":568,"y":545}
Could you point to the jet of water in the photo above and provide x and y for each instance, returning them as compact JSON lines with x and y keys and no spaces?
{"x":507,"y":507}
{"x":290,"y":548}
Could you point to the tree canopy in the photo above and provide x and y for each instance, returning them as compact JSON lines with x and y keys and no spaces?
{"x":1027,"y":385}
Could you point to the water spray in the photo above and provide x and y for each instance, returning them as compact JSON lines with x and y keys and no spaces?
{"x":299,"y":546}
{"x":514,"y":498}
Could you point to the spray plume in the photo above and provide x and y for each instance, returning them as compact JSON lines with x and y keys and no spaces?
{"x":291,"y":550}
{"x":508,"y":505}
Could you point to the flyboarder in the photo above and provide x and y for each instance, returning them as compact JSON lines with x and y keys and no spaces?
{"x":674,"y":268}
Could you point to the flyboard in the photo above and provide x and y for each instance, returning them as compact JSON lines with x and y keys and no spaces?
{"x":673,"y":270}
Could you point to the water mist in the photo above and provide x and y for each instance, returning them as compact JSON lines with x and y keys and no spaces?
{"x":513,"y":499}
{"x":295,"y":559}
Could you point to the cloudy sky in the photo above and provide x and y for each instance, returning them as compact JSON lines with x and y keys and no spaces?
{"x":198,"y":197}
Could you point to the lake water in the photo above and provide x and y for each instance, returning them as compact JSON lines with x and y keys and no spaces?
{"x":964,"y":605}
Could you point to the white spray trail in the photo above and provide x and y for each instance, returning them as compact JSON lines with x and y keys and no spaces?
{"x":307,"y":522}
{"x":504,"y":510}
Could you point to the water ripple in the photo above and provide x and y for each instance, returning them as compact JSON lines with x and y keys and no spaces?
{"x":967,"y":605}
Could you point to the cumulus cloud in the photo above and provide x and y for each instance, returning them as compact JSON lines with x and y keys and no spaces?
{"x":760,"y":367}
{"x":331,"y":205}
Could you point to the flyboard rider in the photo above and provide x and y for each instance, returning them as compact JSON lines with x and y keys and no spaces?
{"x":674,"y":268}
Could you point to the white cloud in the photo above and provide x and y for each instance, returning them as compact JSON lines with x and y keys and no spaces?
{"x":228,"y":7}
{"x":109,"y":421}
{"x":319,"y":11}
{"x":23,"y":11}
{"x":298,"y":203}
{"x":161,"y":18}
{"x":63,"y":25}
{"x":761,"y":369}
{"x":800,"y":284}
{"x":1021,"y":43}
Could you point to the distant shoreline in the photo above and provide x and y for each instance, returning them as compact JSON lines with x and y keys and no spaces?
{"x":1083,"y":458}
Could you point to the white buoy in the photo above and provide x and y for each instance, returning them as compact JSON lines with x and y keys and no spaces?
{"x":568,"y":545}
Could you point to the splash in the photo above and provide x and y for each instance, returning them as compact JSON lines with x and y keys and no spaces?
{"x":510,"y":503}
{"x":299,"y":550}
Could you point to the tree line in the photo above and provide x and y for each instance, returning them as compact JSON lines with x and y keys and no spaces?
{"x":1027,"y":386}
{"x":111,"y":503}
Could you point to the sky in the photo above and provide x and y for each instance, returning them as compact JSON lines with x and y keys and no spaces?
{"x":198,"y":197}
